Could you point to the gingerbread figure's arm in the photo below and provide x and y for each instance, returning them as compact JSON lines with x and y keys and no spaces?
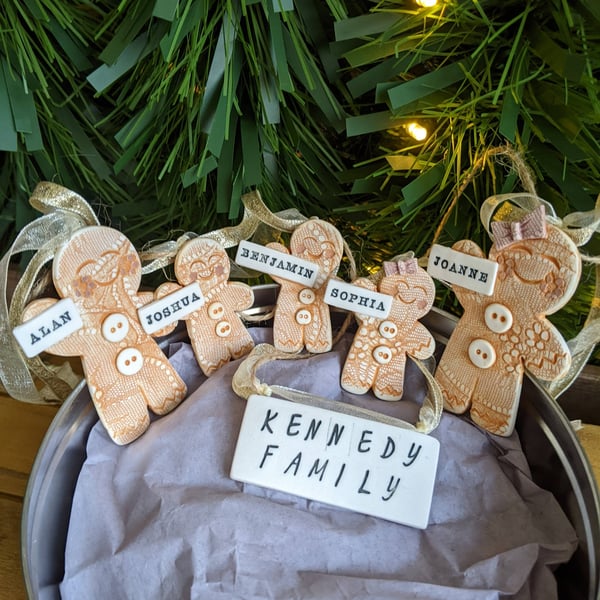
{"x":73,"y":345}
{"x":548,"y":355}
{"x":464,"y":295}
{"x":161,"y":291}
{"x":237,"y":296}
{"x":280,"y":248}
{"x":419,"y":342}
{"x":367,"y":284}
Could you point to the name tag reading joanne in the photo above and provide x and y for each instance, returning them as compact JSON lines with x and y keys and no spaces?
{"x":342,"y":460}
{"x":471,"y":272}
{"x":48,"y":328}
{"x":171,"y":308}
{"x":266,"y":260}
{"x":358,"y":299}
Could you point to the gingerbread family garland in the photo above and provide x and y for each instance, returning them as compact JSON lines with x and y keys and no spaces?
{"x":506,"y":331}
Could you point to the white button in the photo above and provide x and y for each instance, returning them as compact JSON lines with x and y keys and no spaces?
{"x":382,"y":355}
{"x":306,"y":296}
{"x":216,"y":310}
{"x":129,"y":361}
{"x":388,"y":330}
{"x":115,"y":327}
{"x":498,"y":318}
{"x":303,"y":317}
{"x":223,"y":329}
{"x":482,"y":354}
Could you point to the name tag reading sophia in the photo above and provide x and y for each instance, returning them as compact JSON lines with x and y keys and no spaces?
{"x":273,"y":262}
{"x":358,"y":299}
{"x":471,"y":272}
{"x":51,"y":326}
{"x":339,"y":459}
{"x":171,"y":308}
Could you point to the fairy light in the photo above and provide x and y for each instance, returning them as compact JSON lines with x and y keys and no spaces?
{"x":418,"y":132}
{"x":426,"y":3}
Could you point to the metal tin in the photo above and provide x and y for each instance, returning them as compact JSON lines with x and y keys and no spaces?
{"x":557,"y":460}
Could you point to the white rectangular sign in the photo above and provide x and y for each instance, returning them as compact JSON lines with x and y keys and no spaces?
{"x":171,"y":308}
{"x":49,"y":327}
{"x":358,"y":299}
{"x":339,"y":459}
{"x":272,"y":262}
{"x":471,"y":272}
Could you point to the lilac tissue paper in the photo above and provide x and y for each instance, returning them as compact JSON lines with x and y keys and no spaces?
{"x":161,"y":518}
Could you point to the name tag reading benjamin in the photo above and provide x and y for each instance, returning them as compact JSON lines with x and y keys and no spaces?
{"x":272,"y":262}
{"x":339,"y":459}
{"x":51,"y":326}
{"x":471,"y":272}
{"x":358,"y":299}
{"x":172,"y":307}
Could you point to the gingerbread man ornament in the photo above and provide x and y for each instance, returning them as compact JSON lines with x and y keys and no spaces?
{"x":126,"y":371}
{"x":501,"y":335}
{"x":377,"y":357}
{"x":217,"y":333}
{"x":302,"y":318}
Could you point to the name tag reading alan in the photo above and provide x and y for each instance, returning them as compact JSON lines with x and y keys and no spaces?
{"x":471,"y":272}
{"x":358,"y":299}
{"x":172,"y":307}
{"x":48,"y":328}
{"x":342,"y":460}
{"x":272,"y":262}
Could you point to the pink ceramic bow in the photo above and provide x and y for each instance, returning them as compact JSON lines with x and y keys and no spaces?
{"x":532,"y":226}
{"x":401,"y":267}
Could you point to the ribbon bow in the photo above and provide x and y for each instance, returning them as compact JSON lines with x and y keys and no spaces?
{"x":532,"y":226}
{"x":401,"y":267}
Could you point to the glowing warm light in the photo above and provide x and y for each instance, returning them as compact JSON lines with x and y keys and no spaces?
{"x":426,"y":3}
{"x":417,"y":131}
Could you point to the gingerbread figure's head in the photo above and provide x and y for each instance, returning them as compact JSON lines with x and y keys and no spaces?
{"x":411,"y":285}
{"x":202,"y":260}
{"x":318,"y":242}
{"x":96,"y":266}
{"x":543,"y":272}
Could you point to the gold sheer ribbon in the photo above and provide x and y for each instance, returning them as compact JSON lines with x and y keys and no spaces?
{"x":256,"y":214}
{"x":580,"y":227}
{"x":245,"y":383}
{"x":64,"y":213}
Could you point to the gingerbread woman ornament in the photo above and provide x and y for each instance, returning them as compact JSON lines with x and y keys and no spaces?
{"x":216,"y":332}
{"x":501,"y":335}
{"x":126,"y":371}
{"x":377,"y":357}
{"x":302,"y":317}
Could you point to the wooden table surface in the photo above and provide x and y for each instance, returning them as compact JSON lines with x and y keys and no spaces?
{"x":22,"y":428}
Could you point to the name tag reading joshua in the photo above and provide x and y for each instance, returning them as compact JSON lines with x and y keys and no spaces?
{"x":358,"y":299}
{"x":339,"y":459}
{"x":171,"y":308}
{"x":471,"y":272}
{"x":266,"y":260}
{"x":48,"y":328}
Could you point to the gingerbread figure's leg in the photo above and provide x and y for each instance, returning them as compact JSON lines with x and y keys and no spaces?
{"x":241,"y":341}
{"x":495,"y":401}
{"x":317,"y":334}
{"x":359,"y":369}
{"x":389,"y":382}
{"x":288,"y":334}
{"x":168,"y":389}
{"x":124,"y":415}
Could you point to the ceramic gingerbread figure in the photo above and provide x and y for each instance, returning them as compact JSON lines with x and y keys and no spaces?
{"x":302,"y":318}
{"x":126,"y":371}
{"x":377,"y":357}
{"x":501,"y":335}
{"x":216,"y":332}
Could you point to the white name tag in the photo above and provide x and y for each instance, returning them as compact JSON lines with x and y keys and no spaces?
{"x":339,"y":459}
{"x":49,"y":327}
{"x":358,"y":299}
{"x":266,"y":260}
{"x":471,"y":272}
{"x":171,"y":308}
